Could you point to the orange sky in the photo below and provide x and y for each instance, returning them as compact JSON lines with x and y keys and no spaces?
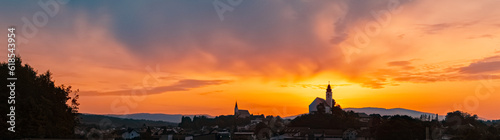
{"x":179,"y":57}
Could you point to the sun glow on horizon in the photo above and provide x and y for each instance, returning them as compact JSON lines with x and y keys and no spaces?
{"x":274,"y":60}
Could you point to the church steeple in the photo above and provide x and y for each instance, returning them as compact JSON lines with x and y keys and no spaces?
{"x":328,"y":98}
{"x":329,"y":88}
{"x":236,"y":108}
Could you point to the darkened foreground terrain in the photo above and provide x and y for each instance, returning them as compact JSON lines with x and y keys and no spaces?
{"x":349,"y":125}
{"x":340,"y":124}
{"x":42,"y":109}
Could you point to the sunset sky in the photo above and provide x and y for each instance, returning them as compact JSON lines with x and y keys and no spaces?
{"x":272,"y":57}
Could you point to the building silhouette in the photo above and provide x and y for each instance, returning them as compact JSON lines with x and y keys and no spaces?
{"x":320,"y":104}
{"x":240,"y":113}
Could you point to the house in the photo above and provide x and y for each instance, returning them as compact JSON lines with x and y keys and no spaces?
{"x":175,"y":137}
{"x":244,"y":135}
{"x":181,"y":137}
{"x":328,"y":134}
{"x":214,"y":136}
{"x":131,"y":134}
{"x":256,"y":121}
{"x":350,"y":134}
{"x":363,"y":117}
{"x":307,"y":133}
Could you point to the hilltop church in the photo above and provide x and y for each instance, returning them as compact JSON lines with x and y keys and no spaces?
{"x":240,"y":113}
{"x":320,"y":103}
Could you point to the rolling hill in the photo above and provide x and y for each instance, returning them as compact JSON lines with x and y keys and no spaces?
{"x":383,"y":111}
{"x":393,"y":111}
{"x":175,"y":118}
{"x":91,"y":119}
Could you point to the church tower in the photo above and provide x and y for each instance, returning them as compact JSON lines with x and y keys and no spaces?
{"x":329,"y":95}
{"x":236,"y":109}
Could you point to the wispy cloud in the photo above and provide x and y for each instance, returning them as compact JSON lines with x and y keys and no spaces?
{"x":182,"y":85}
{"x":486,"y":65}
{"x":315,"y":86}
{"x":436,"y":28}
{"x":211,"y":92}
{"x":399,"y":63}
{"x":405,"y":71}
{"x":489,"y":36}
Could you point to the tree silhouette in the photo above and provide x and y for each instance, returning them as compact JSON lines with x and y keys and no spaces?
{"x":401,"y":128}
{"x":466,"y":126}
{"x":262,"y":131}
{"x":42,"y":109}
{"x":320,"y":108}
{"x":327,"y":121}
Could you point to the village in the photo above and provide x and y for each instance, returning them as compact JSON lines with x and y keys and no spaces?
{"x":324,"y":121}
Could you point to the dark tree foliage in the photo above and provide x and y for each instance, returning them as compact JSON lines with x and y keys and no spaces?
{"x":463,"y":125}
{"x":375,"y":122}
{"x":263,"y":131}
{"x":147,"y":135}
{"x":339,"y":119}
{"x":42,"y":109}
{"x":401,"y":128}
{"x":269,"y":125}
{"x":222,"y":121}
{"x":457,"y":118}
{"x":337,"y":110}
{"x":320,"y":108}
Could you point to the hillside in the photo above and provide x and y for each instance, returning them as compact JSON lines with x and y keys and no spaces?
{"x":175,"y":118}
{"x":393,"y":111}
{"x":115,"y":122}
{"x":383,"y":111}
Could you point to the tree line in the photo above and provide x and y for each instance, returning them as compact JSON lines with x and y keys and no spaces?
{"x":42,"y":109}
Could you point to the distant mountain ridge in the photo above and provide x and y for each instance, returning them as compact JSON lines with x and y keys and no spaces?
{"x":392,"y":111}
{"x":91,"y":119}
{"x":174,"y":118}
{"x":384,"y":111}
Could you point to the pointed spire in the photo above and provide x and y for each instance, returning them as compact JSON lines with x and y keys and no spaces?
{"x":329,"y":88}
{"x":236,"y":108}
